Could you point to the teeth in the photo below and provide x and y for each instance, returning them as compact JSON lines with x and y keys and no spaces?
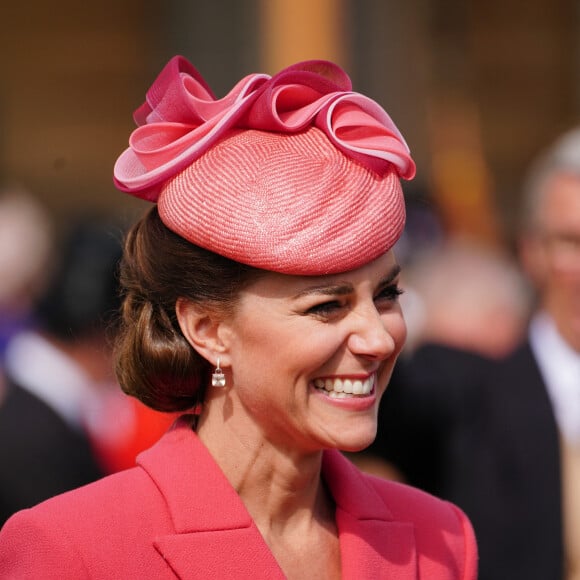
{"x":340,"y":388}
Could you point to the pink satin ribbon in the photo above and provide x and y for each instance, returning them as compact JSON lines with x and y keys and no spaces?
{"x":181,"y":119}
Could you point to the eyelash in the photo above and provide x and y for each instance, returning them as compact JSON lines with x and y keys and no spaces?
{"x":390,"y":293}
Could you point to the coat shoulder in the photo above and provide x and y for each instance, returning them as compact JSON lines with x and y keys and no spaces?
{"x":113,"y":496}
{"x":410,"y":503}
{"x":434,"y":520}
{"x":71,"y":531}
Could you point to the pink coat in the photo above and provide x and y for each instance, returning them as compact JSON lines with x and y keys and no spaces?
{"x":175,"y":515}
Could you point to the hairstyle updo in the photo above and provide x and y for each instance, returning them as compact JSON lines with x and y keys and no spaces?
{"x":153,"y":360}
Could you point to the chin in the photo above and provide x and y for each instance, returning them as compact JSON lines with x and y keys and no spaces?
{"x":353,"y":448}
{"x":356,"y":441}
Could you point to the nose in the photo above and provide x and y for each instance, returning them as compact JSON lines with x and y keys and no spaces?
{"x":376,"y":335}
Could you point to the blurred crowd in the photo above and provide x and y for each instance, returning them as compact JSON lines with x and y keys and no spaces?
{"x":484,"y":405}
{"x":64,"y":421}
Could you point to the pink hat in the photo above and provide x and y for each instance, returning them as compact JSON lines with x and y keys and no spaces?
{"x":293,"y":173}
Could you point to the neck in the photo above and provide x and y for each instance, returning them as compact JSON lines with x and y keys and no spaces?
{"x":281,"y":489}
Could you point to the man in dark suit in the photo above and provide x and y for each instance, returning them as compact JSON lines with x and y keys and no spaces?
{"x":514,"y":492}
{"x":53,"y":370}
{"x":533,"y":415}
{"x":502,"y":438}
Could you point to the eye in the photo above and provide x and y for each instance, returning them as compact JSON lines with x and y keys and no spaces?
{"x":325,"y":309}
{"x":389,"y":293}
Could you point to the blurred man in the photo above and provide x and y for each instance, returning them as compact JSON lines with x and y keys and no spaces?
{"x":501,"y":436}
{"x":531,"y":417}
{"x":54,"y":369}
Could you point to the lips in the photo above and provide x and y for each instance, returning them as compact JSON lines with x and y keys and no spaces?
{"x":341,"y":388}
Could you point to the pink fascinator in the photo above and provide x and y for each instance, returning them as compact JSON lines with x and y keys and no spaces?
{"x":293,"y":173}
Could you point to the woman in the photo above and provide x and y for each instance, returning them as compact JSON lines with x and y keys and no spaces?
{"x":261,"y":298}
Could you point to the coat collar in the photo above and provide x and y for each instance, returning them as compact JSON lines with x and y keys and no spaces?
{"x":215,"y":535}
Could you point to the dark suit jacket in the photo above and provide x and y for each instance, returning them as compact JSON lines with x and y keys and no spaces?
{"x":482,"y":434}
{"x":427,"y":417}
{"x":40,"y":454}
{"x":517,"y":504}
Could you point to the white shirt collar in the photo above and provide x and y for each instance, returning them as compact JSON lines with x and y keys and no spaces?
{"x":46,"y":372}
{"x":559,"y":365}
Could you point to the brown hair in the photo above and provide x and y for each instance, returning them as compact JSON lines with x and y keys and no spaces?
{"x":153,"y":360}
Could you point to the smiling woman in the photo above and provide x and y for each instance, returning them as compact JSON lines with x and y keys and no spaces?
{"x":256,"y":302}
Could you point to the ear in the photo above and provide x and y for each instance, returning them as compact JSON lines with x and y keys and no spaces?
{"x":203,"y":330}
{"x":533,"y":258}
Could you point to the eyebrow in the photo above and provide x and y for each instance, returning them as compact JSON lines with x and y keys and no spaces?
{"x":345,"y":288}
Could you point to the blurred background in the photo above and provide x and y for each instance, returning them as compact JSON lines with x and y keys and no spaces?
{"x":476,"y":87}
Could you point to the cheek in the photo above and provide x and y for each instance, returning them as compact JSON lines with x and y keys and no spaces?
{"x":397,"y":328}
{"x":264,"y":347}
{"x":536,"y":262}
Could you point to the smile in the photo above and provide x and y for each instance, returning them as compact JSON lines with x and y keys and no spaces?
{"x":346,"y":388}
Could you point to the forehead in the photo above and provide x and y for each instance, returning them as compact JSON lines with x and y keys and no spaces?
{"x":274,"y":285}
{"x":560,"y":206}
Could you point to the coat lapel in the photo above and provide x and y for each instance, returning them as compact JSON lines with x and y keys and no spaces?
{"x":215,"y":536}
{"x":236,"y":553}
{"x":372,"y":544}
